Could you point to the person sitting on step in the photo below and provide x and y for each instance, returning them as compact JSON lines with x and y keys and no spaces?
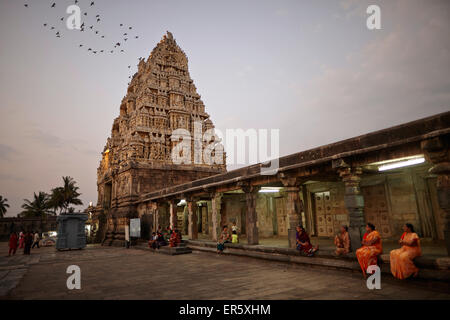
{"x":303,"y":243}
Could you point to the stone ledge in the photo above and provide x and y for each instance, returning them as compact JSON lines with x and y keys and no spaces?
{"x":430,"y":268}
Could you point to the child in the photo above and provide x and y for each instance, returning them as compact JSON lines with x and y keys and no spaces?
{"x":153,"y":243}
{"x":234,"y":233}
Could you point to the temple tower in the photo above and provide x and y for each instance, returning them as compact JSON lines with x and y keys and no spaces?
{"x":138,"y":157}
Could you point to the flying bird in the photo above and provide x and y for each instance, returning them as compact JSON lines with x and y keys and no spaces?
{"x":91,"y":27}
{"x":125,"y":34}
{"x":26,"y":5}
{"x":85,"y":13}
{"x":125,"y":39}
{"x":53,"y":5}
{"x":129,"y":67}
{"x":103,"y":36}
{"x":98,"y":19}
{"x":62,"y":19}
{"x":122,"y":51}
{"x":130,"y":28}
{"x":121,"y":24}
{"x":97,"y":16}
{"x":96,"y":32}
{"x":136,"y":37}
{"x":118,"y":44}
{"x":45,"y":24}
{"x":92,"y":3}
{"x":81,"y":45}
{"x":52,"y":28}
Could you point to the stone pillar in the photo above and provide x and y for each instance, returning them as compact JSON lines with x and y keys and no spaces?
{"x":173,"y":213}
{"x":216,"y":201}
{"x":354,"y":202}
{"x":251,"y":194}
{"x":294,"y":206}
{"x":437,"y":152}
{"x":192,"y":212}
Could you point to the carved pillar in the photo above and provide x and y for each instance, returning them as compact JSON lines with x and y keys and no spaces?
{"x":251,"y":195}
{"x":173,"y":213}
{"x":354,"y":201}
{"x":192,"y":214}
{"x":294,"y":206}
{"x":437,"y":152}
{"x":216,"y":201}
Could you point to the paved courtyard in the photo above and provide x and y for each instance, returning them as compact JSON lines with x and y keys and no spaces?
{"x":118,"y":273}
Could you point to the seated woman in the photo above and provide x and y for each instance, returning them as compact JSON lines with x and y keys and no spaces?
{"x":224,"y":238}
{"x":371,"y":247}
{"x":175,"y":239}
{"x":402,"y":265}
{"x":303,"y":243}
{"x":342,"y":241}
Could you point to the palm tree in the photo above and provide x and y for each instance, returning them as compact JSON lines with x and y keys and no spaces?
{"x":3,"y":206}
{"x":63,"y":197}
{"x":57,"y":200}
{"x":39,"y":207}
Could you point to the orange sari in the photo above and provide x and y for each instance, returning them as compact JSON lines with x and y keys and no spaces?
{"x":367,"y":254}
{"x":401,"y":260}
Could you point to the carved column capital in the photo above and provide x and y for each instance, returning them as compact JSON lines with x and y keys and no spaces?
{"x":289,"y":180}
{"x":248,"y":188}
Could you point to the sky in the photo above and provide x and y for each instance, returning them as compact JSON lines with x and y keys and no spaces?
{"x":311,"y":69}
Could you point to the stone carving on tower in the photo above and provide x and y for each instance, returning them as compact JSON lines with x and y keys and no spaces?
{"x":137,"y":158}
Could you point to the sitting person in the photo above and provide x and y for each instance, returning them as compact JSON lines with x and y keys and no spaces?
{"x":371,"y":247}
{"x":224,"y":238}
{"x":342,"y":241}
{"x":303,"y":243}
{"x":234,"y":233}
{"x":401,"y":260}
{"x":160,"y":239}
{"x":175,"y":238}
{"x":153,"y":242}
{"x":167,"y":233}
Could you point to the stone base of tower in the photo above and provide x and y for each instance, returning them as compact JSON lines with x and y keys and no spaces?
{"x":116,"y":220}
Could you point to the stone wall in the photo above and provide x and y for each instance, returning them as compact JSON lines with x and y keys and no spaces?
{"x":8,"y":225}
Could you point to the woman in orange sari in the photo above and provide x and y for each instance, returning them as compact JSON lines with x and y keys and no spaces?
{"x":402,"y":265}
{"x":371,"y":248}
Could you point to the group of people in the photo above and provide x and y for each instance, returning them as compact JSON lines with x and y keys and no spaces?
{"x":163,"y":238}
{"x":226,"y":237}
{"x":23,"y":240}
{"x":401,"y":260}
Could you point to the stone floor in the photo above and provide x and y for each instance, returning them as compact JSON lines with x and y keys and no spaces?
{"x":119,"y":273}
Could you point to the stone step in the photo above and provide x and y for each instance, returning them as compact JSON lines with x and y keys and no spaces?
{"x":428,"y":271}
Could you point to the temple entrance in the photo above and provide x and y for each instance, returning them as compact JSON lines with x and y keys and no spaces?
{"x":324,"y":214}
{"x":281,"y":220}
{"x":107,"y":195}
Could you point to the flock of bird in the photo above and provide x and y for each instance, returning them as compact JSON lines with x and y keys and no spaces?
{"x":117,"y":45}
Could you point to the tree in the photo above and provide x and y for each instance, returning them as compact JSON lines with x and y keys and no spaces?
{"x":63,"y":197}
{"x":39,"y":207}
{"x":3,"y":206}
